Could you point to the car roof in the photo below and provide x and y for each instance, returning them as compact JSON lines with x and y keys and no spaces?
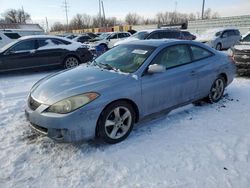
{"x":43,"y":36}
{"x":163,"y":29}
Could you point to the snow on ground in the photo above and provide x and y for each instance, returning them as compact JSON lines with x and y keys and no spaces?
{"x":205,"y":146}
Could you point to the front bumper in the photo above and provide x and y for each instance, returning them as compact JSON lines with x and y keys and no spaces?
{"x":75,"y":126}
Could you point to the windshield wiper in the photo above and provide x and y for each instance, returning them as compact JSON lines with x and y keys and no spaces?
{"x":107,"y":66}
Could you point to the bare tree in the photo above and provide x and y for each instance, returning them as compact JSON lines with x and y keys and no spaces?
{"x":58,"y":26}
{"x":208,"y":13}
{"x":132,"y":19}
{"x":16,"y":16}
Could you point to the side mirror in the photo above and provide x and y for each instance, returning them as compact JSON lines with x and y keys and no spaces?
{"x":155,"y":68}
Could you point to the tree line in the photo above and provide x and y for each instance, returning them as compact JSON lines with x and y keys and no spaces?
{"x":84,"y":21}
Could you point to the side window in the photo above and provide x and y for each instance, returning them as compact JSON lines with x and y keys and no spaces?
{"x":237,"y":32}
{"x":0,"y":38}
{"x":114,"y":36}
{"x":121,"y":35}
{"x":25,"y":46}
{"x":12,"y":35}
{"x":173,"y":56}
{"x":48,"y":42}
{"x":225,"y":34}
{"x":154,"y":36}
{"x":200,"y":53}
{"x":231,"y":33}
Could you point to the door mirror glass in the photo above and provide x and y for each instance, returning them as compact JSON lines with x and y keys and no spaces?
{"x":155,"y":68}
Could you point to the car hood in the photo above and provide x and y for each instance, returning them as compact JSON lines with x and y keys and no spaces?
{"x":72,"y":82}
{"x":243,"y":46}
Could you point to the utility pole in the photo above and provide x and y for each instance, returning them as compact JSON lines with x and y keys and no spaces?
{"x":103,"y":12}
{"x":47,"y":25}
{"x":100,"y":14}
{"x":66,"y":9}
{"x":202,"y":12}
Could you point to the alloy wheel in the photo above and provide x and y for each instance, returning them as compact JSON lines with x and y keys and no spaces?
{"x":118,"y":122}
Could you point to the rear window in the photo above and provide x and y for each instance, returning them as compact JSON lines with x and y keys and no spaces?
{"x":12,"y":35}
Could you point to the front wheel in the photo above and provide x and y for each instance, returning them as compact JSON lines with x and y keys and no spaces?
{"x":116,"y":122}
{"x":71,"y":62}
{"x":217,"y":90}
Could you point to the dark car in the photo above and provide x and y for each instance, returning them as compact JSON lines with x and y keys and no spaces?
{"x":241,"y":54}
{"x":82,"y":38}
{"x":42,"y":51}
{"x":187,"y":35}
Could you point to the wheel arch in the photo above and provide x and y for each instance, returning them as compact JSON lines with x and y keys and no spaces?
{"x":70,"y":55}
{"x":131,"y":102}
{"x":224,"y":75}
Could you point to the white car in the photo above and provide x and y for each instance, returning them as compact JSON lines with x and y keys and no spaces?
{"x":107,"y":40}
{"x":220,"y":38}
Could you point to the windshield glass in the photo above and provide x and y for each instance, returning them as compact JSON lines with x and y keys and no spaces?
{"x":8,"y":45}
{"x":140,"y":35}
{"x":125,"y":58}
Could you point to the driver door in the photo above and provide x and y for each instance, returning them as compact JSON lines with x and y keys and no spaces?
{"x":177,"y":85}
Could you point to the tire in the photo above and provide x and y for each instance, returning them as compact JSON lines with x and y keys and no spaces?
{"x":217,"y":90}
{"x":218,"y":47}
{"x":116,"y":122}
{"x":70,"y":62}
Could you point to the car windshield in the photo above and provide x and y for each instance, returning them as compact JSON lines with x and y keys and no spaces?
{"x":125,"y":58}
{"x":8,"y":45}
{"x":140,"y":35}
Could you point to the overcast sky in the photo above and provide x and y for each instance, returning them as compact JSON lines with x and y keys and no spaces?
{"x":53,"y":9}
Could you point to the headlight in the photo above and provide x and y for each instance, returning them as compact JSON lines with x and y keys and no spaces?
{"x":72,"y":103}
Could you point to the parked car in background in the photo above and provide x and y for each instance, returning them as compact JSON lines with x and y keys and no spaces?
{"x":187,"y":35}
{"x":107,"y":40}
{"x":220,"y":38}
{"x":241,"y":54}
{"x":42,"y":51}
{"x":82,"y":38}
{"x":10,"y":35}
{"x":158,"y":34}
{"x":125,"y":85}
{"x":92,"y":35}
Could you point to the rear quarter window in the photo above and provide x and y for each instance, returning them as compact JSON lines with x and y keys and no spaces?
{"x":200,"y":53}
{"x":12,"y":35}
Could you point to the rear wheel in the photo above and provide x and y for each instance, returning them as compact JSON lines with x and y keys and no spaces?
{"x":116,"y":122}
{"x":71,"y":62}
{"x":217,"y":90}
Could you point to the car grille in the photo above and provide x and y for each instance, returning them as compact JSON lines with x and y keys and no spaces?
{"x":33,"y":104}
